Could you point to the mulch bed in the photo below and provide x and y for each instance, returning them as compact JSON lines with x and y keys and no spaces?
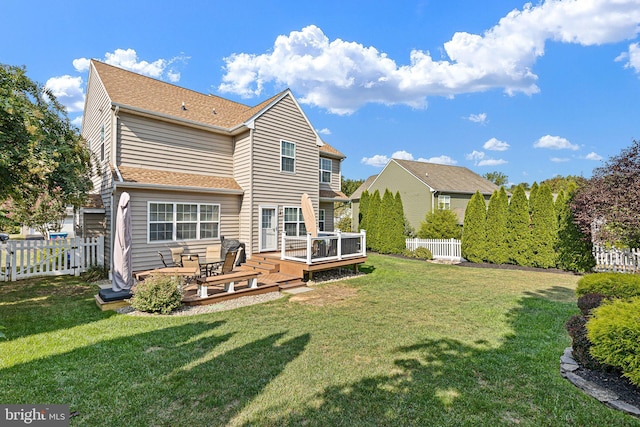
{"x":614,"y":382}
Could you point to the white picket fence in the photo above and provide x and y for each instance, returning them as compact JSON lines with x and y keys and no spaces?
{"x":614,"y":259}
{"x":20,"y":259}
{"x":448,"y":249}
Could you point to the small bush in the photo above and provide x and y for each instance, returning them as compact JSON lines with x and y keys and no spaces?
{"x":614,"y":285}
{"x":157,"y":294}
{"x":588,"y":302}
{"x":614,"y":331}
{"x":95,"y":273}
{"x":419,"y":253}
{"x":581,"y":345}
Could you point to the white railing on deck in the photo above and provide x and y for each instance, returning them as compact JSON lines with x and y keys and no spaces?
{"x":614,"y":259}
{"x":330,"y":246}
{"x":20,"y":259}
{"x":449,"y":249}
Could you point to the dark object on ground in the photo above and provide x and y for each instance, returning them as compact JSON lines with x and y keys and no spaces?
{"x":108,"y":295}
{"x":4,"y":237}
{"x":233,"y":245}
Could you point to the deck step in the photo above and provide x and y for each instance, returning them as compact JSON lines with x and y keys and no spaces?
{"x":262,"y":268}
{"x":293,"y":284}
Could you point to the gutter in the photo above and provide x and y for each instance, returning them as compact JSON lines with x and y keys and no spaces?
{"x":143,"y":186}
{"x":114,"y":143}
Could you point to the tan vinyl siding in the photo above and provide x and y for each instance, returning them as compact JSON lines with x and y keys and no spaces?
{"x":93,"y":224}
{"x":328,"y":216}
{"x":162,"y":145}
{"x":242,"y":174}
{"x":335,"y":176}
{"x":145,"y":254}
{"x":283,"y":121}
{"x":416,"y":197}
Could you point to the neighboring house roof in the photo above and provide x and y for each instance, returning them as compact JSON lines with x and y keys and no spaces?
{"x":447,"y":178}
{"x":330,"y":151}
{"x":333,"y":196}
{"x":364,"y":186}
{"x":141,"y":177}
{"x":94,"y":201}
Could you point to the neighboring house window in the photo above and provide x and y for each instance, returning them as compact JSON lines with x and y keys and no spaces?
{"x":325,"y":170}
{"x":183,"y":221}
{"x":102,"y":143}
{"x":321,"y":220}
{"x":444,"y":203}
{"x":288,"y":156}
{"x":294,"y":222}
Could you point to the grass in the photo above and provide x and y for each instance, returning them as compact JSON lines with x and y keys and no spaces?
{"x":409,"y":343}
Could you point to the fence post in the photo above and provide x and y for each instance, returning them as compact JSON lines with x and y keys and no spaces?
{"x":339,"y":249}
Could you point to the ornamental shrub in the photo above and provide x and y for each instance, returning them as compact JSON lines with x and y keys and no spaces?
{"x":586,"y":303}
{"x":419,"y":253}
{"x":614,"y":331}
{"x":157,"y":294}
{"x":580,"y":344}
{"x":614,"y":285}
{"x":474,"y":233}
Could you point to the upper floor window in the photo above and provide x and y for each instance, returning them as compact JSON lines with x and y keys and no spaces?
{"x":321,"y":220}
{"x":325,"y":170}
{"x":102,"y":143}
{"x":183,"y":221}
{"x":444,"y":203}
{"x":294,"y":222}
{"x":288,"y":156}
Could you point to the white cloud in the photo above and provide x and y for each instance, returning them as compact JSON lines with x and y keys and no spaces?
{"x":475,"y":155}
{"x":443,"y":160}
{"x":593,"y":156}
{"x":491,"y":162}
{"x":378,"y":160}
{"x":495,"y":145}
{"x":555,"y":143}
{"x":77,"y":121}
{"x":632,"y":56}
{"x":81,"y":64}
{"x":67,"y":90}
{"x":402,"y":155}
{"x":341,"y":76}
{"x":559,"y":159}
{"x":324,"y":131}
{"x":478,"y":118}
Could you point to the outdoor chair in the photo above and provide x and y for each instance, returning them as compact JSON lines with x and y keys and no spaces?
{"x":228,"y":264}
{"x":193,"y":260}
{"x":162,"y":259}
{"x":176,"y":256}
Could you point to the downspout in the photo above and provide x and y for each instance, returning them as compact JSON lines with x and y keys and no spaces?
{"x":114,"y":157}
{"x":433,"y":200}
{"x":251,"y":127}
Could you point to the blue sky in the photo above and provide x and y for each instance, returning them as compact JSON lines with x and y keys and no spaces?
{"x":529,"y":90}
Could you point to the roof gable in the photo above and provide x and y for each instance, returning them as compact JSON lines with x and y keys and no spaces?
{"x":447,"y":178}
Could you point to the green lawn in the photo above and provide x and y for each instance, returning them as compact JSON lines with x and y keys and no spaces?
{"x":409,"y":343}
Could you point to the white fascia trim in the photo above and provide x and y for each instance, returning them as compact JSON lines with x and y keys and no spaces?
{"x":178,"y":188}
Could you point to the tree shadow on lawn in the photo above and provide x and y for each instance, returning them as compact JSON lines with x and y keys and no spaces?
{"x":47,"y":304}
{"x":441,"y":382}
{"x":169,"y":377}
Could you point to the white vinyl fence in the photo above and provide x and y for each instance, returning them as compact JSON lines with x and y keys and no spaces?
{"x":614,"y":259}
{"x":20,"y":259}
{"x":440,"y":248}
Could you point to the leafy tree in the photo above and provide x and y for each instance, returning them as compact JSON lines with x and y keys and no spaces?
{"x":43,"y":159}
{"x":349,"y":186}
{"x":474,"y":231}
{"x":544,"y":229}
{"x":440,"y":224}
{"x":372,"y":220}
{"x":574,"y":248}
{"x":559,"y":183}
{"x":364,"y":207}
{"x":518,"y":231}
{"x":611,"y":200}
{"x":498,"y":178}
{"x":497,"y":249}
{"x":525,"y":186}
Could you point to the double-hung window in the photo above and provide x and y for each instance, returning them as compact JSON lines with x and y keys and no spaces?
{"x":183,"y":221}
{"x":294,"y":222}
{"x":288,"y":156}
{"x":325,"y":170}
{"x":321,"y":220}
{"x":444,"y":203}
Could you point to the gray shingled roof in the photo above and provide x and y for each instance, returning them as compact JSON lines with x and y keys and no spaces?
{"x":447,"y":178}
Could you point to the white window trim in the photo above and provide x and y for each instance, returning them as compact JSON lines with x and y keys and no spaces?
{"x":446,"y":201}
{"x":288,"y":157}
{"x":322,"y":219}
{"x":298,"y":222}
{"x":175,"y":220}
{"x":322,"y":171}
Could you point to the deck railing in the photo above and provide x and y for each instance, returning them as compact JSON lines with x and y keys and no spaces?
{"x":329,"y":246}
{"x":21,"y":259}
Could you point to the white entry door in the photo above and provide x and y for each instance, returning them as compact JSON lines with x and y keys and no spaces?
{"x":268,"y":228}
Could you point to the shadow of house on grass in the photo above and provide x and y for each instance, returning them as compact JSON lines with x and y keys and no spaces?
{"x":163,"y":377}
{"x":442,"y":382}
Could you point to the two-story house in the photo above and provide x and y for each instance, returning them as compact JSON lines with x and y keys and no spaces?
{"x":198,"y":167}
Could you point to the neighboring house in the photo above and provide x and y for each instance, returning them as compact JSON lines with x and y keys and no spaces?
{"x":424,"y":187}
{"x":198,"y":167}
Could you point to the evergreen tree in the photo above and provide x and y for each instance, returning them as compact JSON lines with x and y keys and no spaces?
{"x":532,"y":195}
{"x":387,"y":219}
{"x":474,"y":230}
{"x":399,"y":237}
{"x":372,"y":221}
{"x":544,"y":229}
{"x":362,"y":215}
{"x":497,"y":250}
{"x":574,"y":248}
{"x":559,"y":203}
{"x":518,"y":231}
{"x":440,"y":224}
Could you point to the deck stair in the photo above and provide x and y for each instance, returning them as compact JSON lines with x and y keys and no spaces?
{"x":262,"y":264}
{"x":284,"y":281}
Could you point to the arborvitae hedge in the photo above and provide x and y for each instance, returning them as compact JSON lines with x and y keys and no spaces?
{"x":398,"y":244}
{"x":518,"y":231}
{"x":574,"y":249}
{"x":497,"y":249}
{"x":544,"y":229}
{"x":440,"y":224}
{"x":362,"y":215}
{"x":474,"y":231}
{"x":386,"y":220}
{"x":373,"y":212}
